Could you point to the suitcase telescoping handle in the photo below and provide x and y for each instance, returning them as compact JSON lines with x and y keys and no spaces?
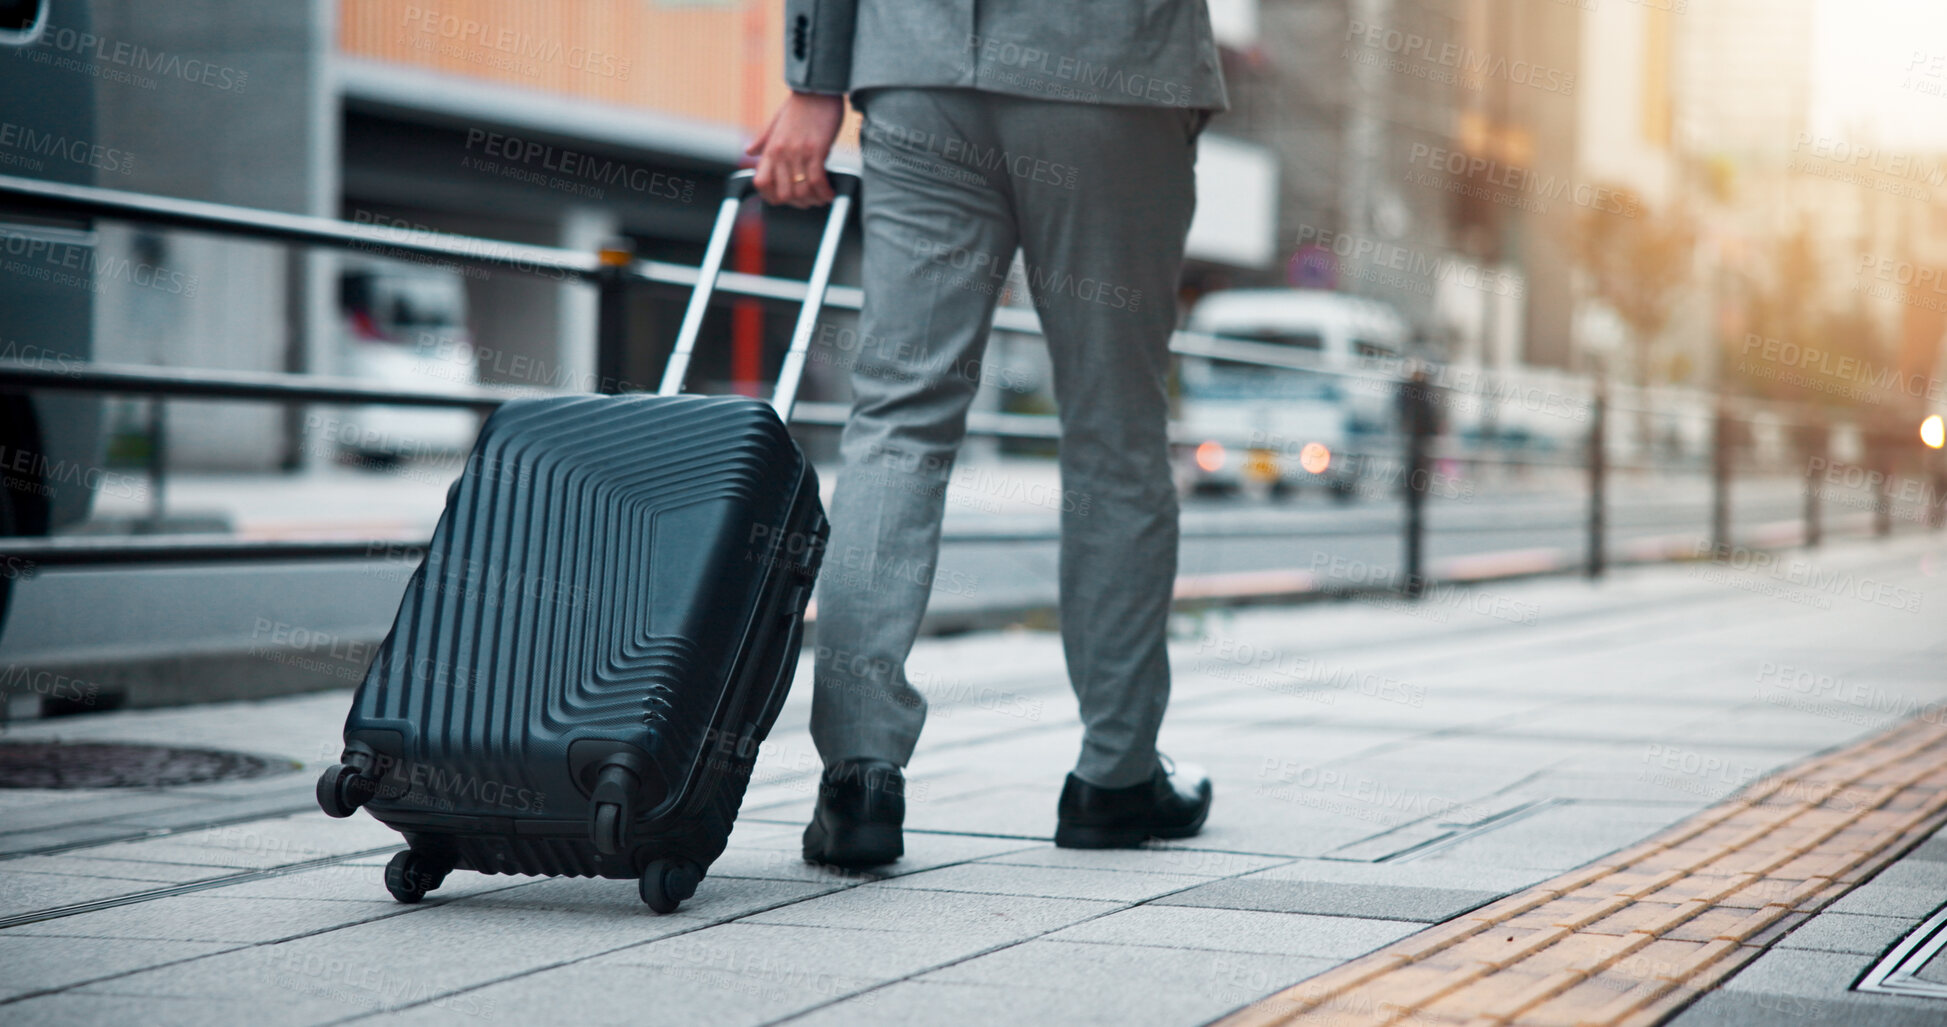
{"x":788,"y":376}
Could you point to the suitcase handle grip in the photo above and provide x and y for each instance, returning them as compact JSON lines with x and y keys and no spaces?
{"x":740,"y":185}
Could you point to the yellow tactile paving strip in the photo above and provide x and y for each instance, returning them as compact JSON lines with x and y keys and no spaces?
{"x":1638,"y":936}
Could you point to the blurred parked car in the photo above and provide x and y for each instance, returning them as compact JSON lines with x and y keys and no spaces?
{"x":404,"y":326}
{"x":1264,"y":429}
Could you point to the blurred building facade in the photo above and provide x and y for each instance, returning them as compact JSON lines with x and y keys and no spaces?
{"x":1490,"y":166}
{"x":1422,"y":143}
{"x":1445,"y":156}
{"x":562,"y":124}
{"x":1814,"y":237}
{"x":556,"y":122}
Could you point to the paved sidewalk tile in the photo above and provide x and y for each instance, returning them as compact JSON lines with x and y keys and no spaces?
{"x":776,"y":949}
{"x":1848,"y":932}
{"x":926,"y":1001}
{"x":84,"y":1006}
{"x":1797,"y":972}
{"x":1132,"y":983}
{"x":80,"y":864}
{"x":1766,"y":1009}
{"x":1240,"y":930}
{"x":26,"y":893}
{"x":1875,"y":899}
{"x":621,"y":994}
{"x":1270,"y":826}
{"x":717,"y":898}
{"x":30,"y":842}
{"x":348,"y":882}
{"x":1052,"y":882}
{"x":402,"y":959}
{"x":1369,"y":901}
{"x":94,"y":805}
{"x":207,"y":917}
{"x":39,"y":963}
{"x":781,"y":857}
{"x":994,"y":917}
{"x":255,"y":844}
{"x":1175,"y":858}
{"x":1561,"y":837}
{"x":1912,"y":871}
{"x":1427,"y":873}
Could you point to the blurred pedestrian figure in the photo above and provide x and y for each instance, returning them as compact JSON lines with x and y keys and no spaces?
{"x":1421,"y":411}
{"x":1069,"y":132}
{"x":1419,"y":420}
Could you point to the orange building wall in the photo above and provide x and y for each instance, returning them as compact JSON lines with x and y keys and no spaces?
{"x":717,"y":62}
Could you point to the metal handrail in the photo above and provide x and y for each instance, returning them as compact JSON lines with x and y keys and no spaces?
{"x":58,"y":202}
{"x":287,"y":387}
{"x":268,"y":386}
{"x":93,"y":551}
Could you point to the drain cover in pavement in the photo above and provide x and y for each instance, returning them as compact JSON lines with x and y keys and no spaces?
{"x":1917,"y":966}
{"x":112,"y":765}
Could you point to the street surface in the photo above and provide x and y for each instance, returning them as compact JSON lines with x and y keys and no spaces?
{"x":999,"y":558}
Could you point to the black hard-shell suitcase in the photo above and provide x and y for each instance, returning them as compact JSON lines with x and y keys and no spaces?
{"x":606,"y":623}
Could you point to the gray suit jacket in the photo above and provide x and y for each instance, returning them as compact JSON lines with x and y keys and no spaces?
{"x":1146,"y":52}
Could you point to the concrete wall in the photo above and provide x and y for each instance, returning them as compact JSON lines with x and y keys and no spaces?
{"x":229,"y":101}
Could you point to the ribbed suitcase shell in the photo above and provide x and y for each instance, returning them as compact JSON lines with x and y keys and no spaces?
{"x":611,"y":574}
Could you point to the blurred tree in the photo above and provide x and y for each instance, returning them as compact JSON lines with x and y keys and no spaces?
{"x":1822,"y":357}
{"x":1637,"y":262}
{"x":1636,"y":266}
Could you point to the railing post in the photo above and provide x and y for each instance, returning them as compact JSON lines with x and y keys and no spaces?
{"x":158,"y":459}
{"x":1937,"y":498}
{"x":1598,"y":476}
{"x":1879,"y":460}
{"x":1416,"y":408}
{"x":612,"y":314}
{"x":1936,"y":465}
{"x":1817,"y":453}
{"x":1720,"y":475}
{"x":1882,"y":502}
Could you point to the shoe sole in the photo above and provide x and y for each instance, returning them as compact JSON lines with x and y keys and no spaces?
{"x":856,"y":847}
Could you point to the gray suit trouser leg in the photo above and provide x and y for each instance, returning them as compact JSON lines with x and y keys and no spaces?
{"x":1099,"y":199}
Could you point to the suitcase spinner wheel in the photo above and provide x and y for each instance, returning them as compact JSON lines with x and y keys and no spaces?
{"x":342,"y":790}
{"x":667,"y":882}
{"x":411,"y":875}
{"x":609,"y":833}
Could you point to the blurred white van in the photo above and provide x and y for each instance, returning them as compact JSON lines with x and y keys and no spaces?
{"x":1255,"y":428}
{"x":403,"y":325}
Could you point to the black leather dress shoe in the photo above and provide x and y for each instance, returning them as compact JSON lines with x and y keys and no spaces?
{"x":1173,"y":804}
{"x":861,"y":805}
